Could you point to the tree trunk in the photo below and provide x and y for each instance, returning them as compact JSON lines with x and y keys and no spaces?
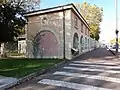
{"x":3,"y":54}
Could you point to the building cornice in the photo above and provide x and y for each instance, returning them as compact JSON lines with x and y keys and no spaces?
{"x":56,"y":9}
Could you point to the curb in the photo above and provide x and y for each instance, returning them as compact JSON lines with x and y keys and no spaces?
{"x":31,"y":76}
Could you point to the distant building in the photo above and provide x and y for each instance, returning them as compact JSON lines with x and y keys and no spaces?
{"x":57,"y":32}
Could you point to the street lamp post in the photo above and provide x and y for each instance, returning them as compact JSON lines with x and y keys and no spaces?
{"x":116,"y":42}
{"x":116,"y":7}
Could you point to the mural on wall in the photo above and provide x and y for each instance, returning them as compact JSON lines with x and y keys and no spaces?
{"x":45,"y":45}
{"x":36,"y":41}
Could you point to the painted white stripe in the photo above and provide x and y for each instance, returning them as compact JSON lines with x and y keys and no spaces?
{"x":109,"y":67}
{"x":8,"y":80}
{"x":70,"y":85}
{"x":88,"y":69}
{"x":110,"y":79}
{"x":85,"y":62}
{"x":3,"y":86}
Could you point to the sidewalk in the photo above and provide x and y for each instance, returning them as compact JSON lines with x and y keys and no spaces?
{"x":99,"y":54}
{"x":5,"y":81}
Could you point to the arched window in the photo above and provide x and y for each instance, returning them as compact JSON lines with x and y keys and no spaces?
{"x":81,"y":43}
{"x":85,"y":43}
{"x":88,"y":43}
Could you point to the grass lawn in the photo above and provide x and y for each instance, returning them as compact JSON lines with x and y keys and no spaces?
{"x":21,"y":67}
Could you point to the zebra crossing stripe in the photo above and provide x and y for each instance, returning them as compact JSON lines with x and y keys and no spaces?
{"x":70,"y":85}
{"x":86,"y":62}
{"x":110,"y":79}
{"x":110,"y":67}
{"x":90,"y":69}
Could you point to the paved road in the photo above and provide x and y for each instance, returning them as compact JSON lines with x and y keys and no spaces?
{"x":96,"y":70}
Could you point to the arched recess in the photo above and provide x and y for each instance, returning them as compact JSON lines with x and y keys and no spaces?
{"x":75,"y":49}
{"x":81,"y":43}
{"x":88,"y":43}
{"x":75,"y":41}
{"x":85,"y":42}
{"x":45,"y":45}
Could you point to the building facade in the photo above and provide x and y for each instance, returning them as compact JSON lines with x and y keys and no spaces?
{"x":58,"y":32}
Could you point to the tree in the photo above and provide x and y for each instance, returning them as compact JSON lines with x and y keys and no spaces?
{"x":12,"y":21}
{"x":113,"y":41}
{"x":93,"y":15}
{"x":12,"y":18}
{"x":32,"y":5}
{"x":28,"y":5}
{"x":3,"y":1}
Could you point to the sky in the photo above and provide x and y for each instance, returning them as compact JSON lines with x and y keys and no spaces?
{"x":108,"y":25}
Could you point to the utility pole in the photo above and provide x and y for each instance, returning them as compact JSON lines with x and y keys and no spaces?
{"x":116,"y":9}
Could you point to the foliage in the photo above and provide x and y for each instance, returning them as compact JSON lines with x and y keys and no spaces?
{"x":12,"y":21}
{"x":3,"y":1}
{"x":113,"y":41}
{"x":93,"y":15}
{"x":28,"y":5}
{"x":23,"y":67}
{"x":12,"y":18}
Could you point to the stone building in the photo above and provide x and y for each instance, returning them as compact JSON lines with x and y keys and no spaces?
{"x":58,"y":32}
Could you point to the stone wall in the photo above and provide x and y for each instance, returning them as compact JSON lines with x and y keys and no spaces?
{"x":52,"y":22}
{"x":82,"y":32}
